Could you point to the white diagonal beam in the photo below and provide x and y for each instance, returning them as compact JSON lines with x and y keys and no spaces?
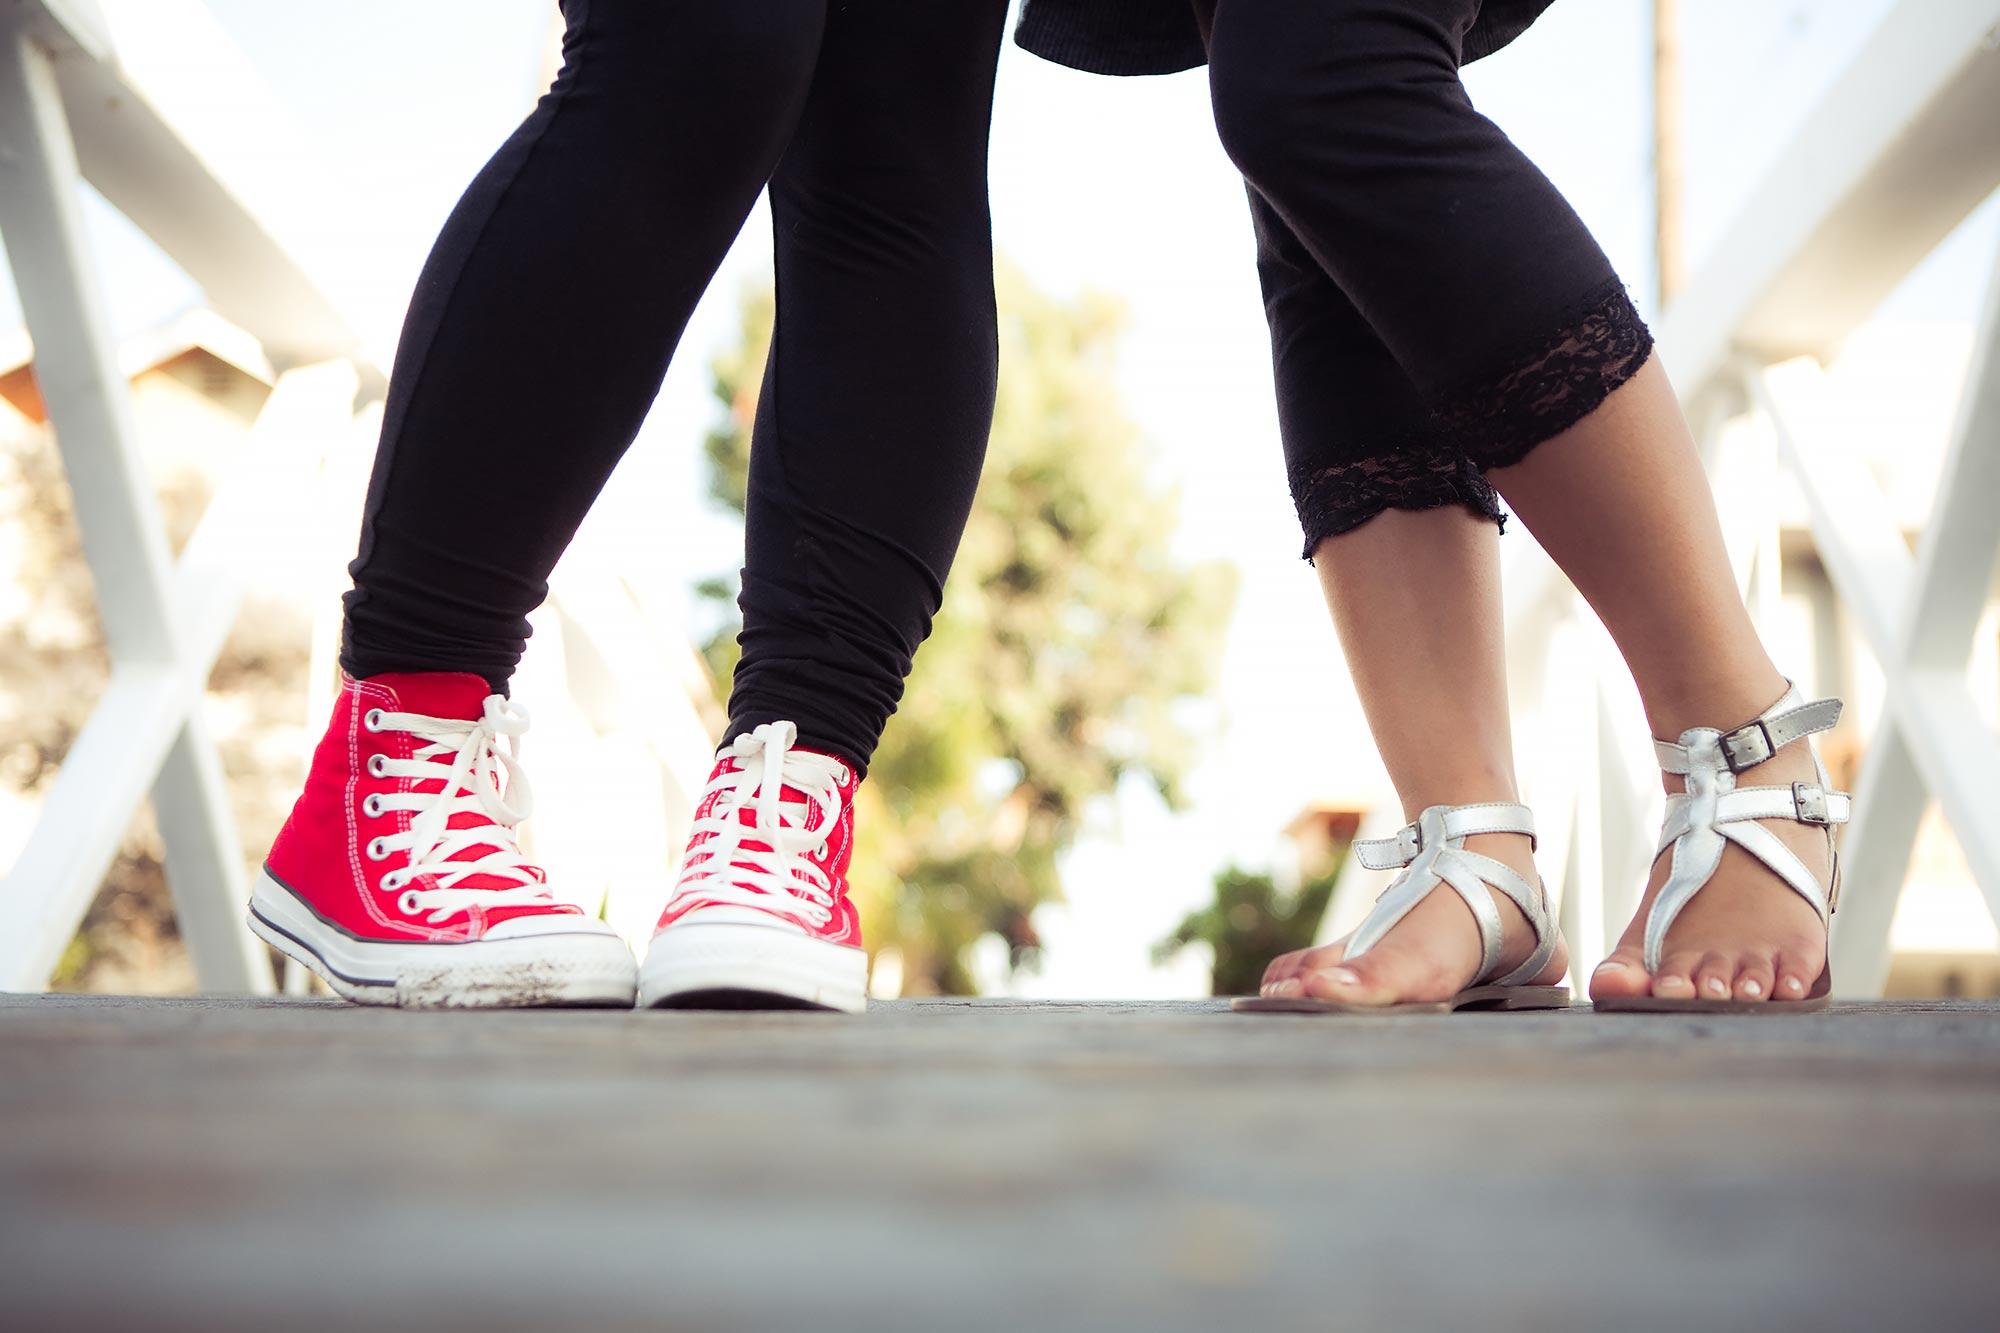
{"x":1959,"y":757}
{"x":76,"y":363}
{"x":147,"y":730}
{"x":1919,"y":617}
{"x":204,"y":863}
{"x":1889,"y":804}
{"x":1863,"y":552}
{"x":1958,"y":548}
{"x":1894,"y":155}
{"x":172,"y":126}
{"x":106,"y":773}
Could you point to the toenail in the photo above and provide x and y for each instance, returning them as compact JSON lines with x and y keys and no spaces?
{"x":1715,"y":986}
{"x":1793,"y":983}
{"x":1611,"y":965}
{"x":1342,"y":976}
{"x":1753,"y":988}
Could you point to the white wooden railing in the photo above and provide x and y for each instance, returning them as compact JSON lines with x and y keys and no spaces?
{"x":616,"y":671}
{"x":69,"y":112}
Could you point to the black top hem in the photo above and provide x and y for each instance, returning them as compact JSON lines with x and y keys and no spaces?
{"x":1142,"y":37}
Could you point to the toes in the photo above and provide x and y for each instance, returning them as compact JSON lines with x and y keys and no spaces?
{"x":1384,"y":976}
{"x":1675,"y":979}
{"x":1284,"y":978}
{"x":1335,"y":983}
{"x":1623,"y":973}
{"x":1713,"y":975}
{"x":1754,"y":978}
{"x":1796,"y":976}
{"x":1281,"y":968}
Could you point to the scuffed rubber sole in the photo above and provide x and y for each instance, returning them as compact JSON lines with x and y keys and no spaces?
{"x":1491,"y":998}
{"x":552,"y":971}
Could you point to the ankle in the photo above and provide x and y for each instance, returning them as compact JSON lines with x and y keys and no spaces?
{"x":1483,"y":789}
{"x":1723,"y":701}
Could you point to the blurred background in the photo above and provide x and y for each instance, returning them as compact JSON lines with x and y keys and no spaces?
{"x":1130,"y":762}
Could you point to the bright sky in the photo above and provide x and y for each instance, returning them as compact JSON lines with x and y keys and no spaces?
{"x":1111,"y":184}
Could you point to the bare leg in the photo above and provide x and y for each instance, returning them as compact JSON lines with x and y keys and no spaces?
{"x":1622,"y":504}
{"x":1415,"y":596}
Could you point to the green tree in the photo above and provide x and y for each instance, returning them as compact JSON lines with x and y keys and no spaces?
{"x":1069,"y":634}
{"x":1250,"y":923}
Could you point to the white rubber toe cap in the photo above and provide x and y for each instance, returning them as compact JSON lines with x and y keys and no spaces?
{"x":547,"y":923}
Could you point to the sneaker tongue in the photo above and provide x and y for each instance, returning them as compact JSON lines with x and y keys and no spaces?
{"x":457,"y":695}
{"x":466,"y":819}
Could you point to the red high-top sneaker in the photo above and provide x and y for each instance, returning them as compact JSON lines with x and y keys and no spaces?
{"x":398,"y":879}
{"x":760,"y":918}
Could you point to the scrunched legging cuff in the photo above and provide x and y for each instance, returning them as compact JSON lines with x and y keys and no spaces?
{"x":1339,"y":498}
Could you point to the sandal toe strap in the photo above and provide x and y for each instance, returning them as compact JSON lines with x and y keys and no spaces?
{"x":1432,"y":852}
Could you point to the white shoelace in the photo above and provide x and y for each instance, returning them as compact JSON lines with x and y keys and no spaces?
{"x":723,"y":870}
{"x":472,"y":783}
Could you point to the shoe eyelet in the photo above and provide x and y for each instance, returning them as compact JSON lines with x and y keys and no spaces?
{"x":372,"y":807}
{"x":408,"y":904}
{"x":377,"y":852}
{"x":372,"y":719}
{"x":378,"y":765}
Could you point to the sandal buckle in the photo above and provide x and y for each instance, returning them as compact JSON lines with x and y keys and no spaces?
{"x":1747,"y":746}
{"x":1810,"y":800}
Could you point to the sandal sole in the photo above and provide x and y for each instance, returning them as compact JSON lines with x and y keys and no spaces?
{"x":1643,"y":1004}
{"x":1477,"y":998}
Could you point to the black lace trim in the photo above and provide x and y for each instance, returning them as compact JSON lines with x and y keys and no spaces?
{"x":1560,"y":384}
{"x":1499,"y":422}
{"x":1333,"y":500}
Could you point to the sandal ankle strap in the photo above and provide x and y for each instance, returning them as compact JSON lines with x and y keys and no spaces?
{"x":1758,"y":739}
{"x":1460,"y":821}
{"x":1432,"y":852}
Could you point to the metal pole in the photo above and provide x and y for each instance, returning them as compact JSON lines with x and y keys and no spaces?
{"x":1670,"y":259}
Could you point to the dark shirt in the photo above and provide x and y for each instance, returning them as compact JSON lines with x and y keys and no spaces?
{"x":1160,"y":37}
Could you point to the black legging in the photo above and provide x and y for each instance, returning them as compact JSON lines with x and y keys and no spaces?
{"x":1436,"y":308}
{"x":553,"y":300}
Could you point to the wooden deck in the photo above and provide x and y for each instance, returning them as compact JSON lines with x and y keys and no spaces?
{"x":215,"y":1164}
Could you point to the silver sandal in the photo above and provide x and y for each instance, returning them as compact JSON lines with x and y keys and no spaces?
{"x":1432,"y":853}
{"x":1714,"y":812}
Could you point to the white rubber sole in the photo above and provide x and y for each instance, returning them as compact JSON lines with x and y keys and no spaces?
{"x":701,"y":965}
{"x":559,"y":969}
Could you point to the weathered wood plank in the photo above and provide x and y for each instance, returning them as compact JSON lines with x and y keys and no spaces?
{"x":949,"y":1165}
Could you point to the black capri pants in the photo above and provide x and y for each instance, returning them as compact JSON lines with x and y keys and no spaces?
{"x":1436,"y":307}
{"x":554,"y":298}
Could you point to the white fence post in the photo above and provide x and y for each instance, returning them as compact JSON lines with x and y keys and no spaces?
{"x":147,"y":728}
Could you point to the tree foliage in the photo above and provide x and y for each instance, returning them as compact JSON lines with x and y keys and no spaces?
{"x":1069,"y":636}
{"x":1250,"y":923}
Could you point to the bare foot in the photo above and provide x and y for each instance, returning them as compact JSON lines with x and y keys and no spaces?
{"x":1431,"y":954}
{"x":1746,"y":935}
